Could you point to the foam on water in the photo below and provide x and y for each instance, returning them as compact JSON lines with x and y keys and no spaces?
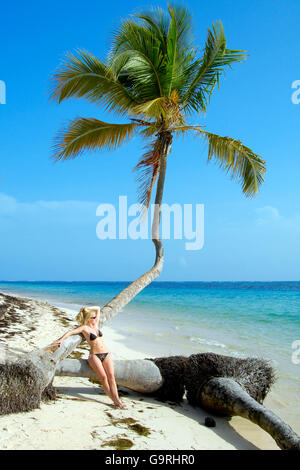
{"x":208,"y":342}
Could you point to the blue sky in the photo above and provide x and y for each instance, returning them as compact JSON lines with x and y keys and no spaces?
{"x":48,"y":211}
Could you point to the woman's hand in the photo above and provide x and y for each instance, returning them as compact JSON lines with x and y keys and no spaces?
{"x":70,"y":333}
{"x":58,"y":341}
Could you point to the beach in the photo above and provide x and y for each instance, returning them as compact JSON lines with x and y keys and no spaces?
{"x":131,"y":181}
{"x":83,"y":417}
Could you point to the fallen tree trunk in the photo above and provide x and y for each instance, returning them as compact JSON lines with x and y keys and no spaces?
{"x":226,"y":397}
{"x":245,"y":383}
{"x":138,"y":374}
{"x":24,"y":379}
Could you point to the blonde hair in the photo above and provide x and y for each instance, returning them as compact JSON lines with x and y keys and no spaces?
{"x":85,"y":313}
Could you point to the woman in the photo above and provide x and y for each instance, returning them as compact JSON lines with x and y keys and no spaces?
{"x":99,"y":358}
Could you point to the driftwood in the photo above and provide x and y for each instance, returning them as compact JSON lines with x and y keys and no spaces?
{"x":138,"y":374}
{"x":25,"y":380}
{"x":224,"y":385}
{"x":231,"y":386}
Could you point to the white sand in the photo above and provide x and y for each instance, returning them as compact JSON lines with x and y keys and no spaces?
{"x":80,"y":419}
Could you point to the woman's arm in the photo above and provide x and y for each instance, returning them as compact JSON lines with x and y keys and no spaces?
{"x":97,"y":312}
{"x":97,"y":309}
{"x":77,"y":331}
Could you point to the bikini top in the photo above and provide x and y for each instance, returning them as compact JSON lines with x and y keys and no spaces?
{"x":93,"y":337}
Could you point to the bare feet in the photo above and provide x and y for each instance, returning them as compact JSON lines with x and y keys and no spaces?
{"x":121,"y":405}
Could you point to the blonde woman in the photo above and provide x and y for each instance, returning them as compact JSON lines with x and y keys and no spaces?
{"x":99,"y":359}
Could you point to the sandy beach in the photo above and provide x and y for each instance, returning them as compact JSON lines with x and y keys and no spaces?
{"x":82,"y":417}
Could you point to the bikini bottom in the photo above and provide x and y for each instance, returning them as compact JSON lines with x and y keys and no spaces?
{"x":101,"y":356}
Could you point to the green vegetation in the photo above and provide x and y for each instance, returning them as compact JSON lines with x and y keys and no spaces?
{"x":132,"y":425}
{"x":119,"y":443}
{"x":139,"y":429}
{"x":158,"y":77}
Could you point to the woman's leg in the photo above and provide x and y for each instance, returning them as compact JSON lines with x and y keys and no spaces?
{"x":109,"y":369}
{"x":95,"y":363}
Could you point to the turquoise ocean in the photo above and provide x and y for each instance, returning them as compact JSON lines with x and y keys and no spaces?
{"x":241,"y":319}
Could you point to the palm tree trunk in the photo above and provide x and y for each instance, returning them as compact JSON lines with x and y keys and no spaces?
{"x":140,"y":375}
{"x":127,"y":294}
{"x":226,"y":397}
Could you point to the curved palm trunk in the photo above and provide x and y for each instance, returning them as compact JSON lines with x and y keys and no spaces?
{"x":127,"y":294}
{"x":226,"y":397}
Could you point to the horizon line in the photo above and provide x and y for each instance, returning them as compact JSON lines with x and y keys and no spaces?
{"x":43,"y":280}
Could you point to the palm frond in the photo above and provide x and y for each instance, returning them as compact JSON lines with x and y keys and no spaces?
{"x":215,"y":60}
{"x":161,"y":109}
{"x":149,"y":131}
{"x":156,"y":108}
{"x":138,"y":74}
{"x":139,"y":49}
{"x":174,"y":39}
{"x":183,"y":129}
{"x":242,"y":163}
{"x":82,"y":75}
{"x":183,"y":20}
{"x":172,"y":49}
{"x":153,"y":52}
{"x":157,"y":21}
{"x":237,"y":159}
{"x":90,"y":134}
{"x":148,"y":170}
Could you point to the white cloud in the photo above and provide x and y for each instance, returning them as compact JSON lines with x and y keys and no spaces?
{"x":10,"y":206}
{"x":270,"y":217}
{"x":267,"y":213}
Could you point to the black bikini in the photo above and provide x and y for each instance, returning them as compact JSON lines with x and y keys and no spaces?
{"x":93,"y":337}
{"x":101,"y":356}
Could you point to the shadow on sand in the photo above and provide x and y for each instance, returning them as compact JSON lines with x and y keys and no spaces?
{"x":223,"y":427}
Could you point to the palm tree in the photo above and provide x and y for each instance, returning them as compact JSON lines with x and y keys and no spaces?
{"x":156,"y":76}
